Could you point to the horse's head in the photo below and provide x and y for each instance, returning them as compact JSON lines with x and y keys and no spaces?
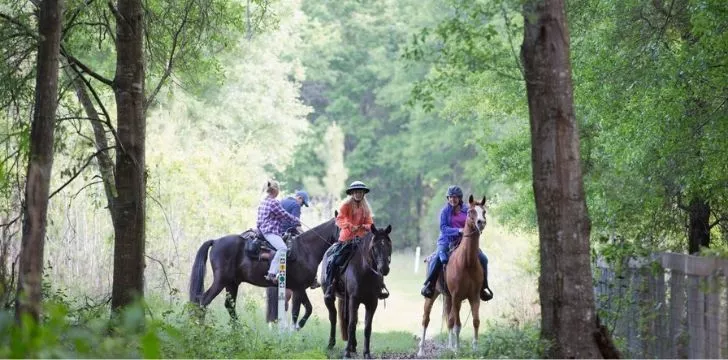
{"x":380,"y":249}
{"x":477,"y":212}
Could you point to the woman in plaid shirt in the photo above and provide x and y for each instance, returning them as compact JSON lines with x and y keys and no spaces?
{"x":271,"y":218}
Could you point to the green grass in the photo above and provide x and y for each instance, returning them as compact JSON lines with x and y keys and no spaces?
{"x":166,"y":328}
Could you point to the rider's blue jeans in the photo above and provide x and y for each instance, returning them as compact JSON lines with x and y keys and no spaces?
{"x":435,"y":264}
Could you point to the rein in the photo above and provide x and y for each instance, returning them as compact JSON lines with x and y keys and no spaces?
{"x":318,"y":236}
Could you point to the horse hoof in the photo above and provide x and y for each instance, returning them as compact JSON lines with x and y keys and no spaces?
{"x":367,"y":355}
{"x":331,"y":345}
{"x":347,"y":355}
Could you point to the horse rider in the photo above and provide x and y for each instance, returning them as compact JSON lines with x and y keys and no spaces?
{"x":271,"y":217}
{"x":354,"y":220}
{"x":292,"y":205}
{"x":452,"y":221}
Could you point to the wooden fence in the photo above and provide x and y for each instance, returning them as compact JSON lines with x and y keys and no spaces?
{"x":669,"y":306}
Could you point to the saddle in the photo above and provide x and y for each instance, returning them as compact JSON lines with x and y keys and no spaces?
{"x":338,"y":258}
{"x":259,"y":249}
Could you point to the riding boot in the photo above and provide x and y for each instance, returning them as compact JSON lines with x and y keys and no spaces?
{"x":486,"y":293}
{"x":329,"y":290}
{"x":329,"y":279}
{"x":433,"y":272}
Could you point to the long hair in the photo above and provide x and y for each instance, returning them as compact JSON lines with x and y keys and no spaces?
{"x":364,"y":204}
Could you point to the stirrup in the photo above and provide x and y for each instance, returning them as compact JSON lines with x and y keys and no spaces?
{"x":427,"y":292}
{"x":486,"y":294}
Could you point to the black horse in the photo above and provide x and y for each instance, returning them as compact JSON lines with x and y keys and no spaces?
{"x":360,"y":283}
{"x":231,"y":266}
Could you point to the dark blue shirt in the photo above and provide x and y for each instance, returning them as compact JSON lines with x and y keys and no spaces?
{"x":291,"y":206}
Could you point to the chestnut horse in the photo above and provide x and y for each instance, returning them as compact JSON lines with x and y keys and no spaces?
{"x":463,"y":277}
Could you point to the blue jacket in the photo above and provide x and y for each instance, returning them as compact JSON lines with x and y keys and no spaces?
{"x":291,"y":206}
{"x":448,"y":234}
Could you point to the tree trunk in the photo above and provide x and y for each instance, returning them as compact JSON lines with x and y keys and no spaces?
{"x":699,"y":234}
{"x":565,"y":286}
{"x":40,"y":164}
{"x":106,"y":166}
{"x":128,"y":283}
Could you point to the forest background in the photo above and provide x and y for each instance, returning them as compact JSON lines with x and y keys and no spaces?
{"x":406,"y":96}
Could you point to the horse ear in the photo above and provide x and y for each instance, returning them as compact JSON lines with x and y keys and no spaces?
{"x":470,"y":199}
{"x":374,"y":228}
{"x":483,"y":201}
{"x":388,"y":229}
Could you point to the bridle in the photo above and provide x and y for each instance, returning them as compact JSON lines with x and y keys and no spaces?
{"x":375,"y":253}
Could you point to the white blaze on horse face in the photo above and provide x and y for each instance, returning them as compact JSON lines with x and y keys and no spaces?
{"x":480,"y":217}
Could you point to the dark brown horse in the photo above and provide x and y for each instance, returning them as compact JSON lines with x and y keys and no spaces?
{"x":231,"y":266}
{"x":463,"y":277}
{"x":360,"y":283}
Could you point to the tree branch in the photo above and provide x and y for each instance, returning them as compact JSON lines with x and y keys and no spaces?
{"x":73,"y":61}
{"x":164,"y":271}
{"x":27,"y":30}
{"x":101,"y":105}
{"x":717,"y":221}
{"x":119,"y":18}
{"x":74,"y":176}
{"x":168,"y":69}
{"x":70,"y":24}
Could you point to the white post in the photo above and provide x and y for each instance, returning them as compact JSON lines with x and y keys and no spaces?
{"x":417,"y":259}
{"x":282,"y":292}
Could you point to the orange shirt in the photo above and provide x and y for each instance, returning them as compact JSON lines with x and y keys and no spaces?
{"x":350,"y":216}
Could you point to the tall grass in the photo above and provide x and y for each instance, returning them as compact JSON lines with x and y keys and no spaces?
{"x":74,"y":327}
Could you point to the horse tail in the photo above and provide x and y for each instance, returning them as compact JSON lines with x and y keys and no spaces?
{"x":271,"y":312}
{"x":197,"y":278}
{"x":343,"y":304}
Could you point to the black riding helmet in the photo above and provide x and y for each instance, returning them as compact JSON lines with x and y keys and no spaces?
{"x":357,"y":185}
{"x":455,"y":190}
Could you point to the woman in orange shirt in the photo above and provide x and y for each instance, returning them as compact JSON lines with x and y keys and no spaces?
{"x":354,"y":220}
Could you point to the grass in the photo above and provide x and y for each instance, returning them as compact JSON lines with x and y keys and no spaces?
{"x":165,"y":327}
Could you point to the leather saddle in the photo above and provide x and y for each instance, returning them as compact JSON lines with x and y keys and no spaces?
{"x":258,"y":248}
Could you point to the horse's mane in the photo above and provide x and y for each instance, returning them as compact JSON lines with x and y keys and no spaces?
{"x":364,"y":248}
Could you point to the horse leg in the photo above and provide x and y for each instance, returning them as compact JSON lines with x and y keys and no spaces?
{"x":295,"y":308}
{"x":211,"y":293}
{"x":230,"y":299}
{"x":475,"y":309}
{"x":370,"y":307}
{"x":331,"y":306}
{"x":353,"y":308}
{"x":450,"y":322}
{"x":308,"y":309}
{"x":426,"y":322}
{"x":455,"y":314}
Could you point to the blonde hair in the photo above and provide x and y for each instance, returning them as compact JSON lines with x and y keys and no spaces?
{"x":363,"y":204}
{"x":271,"y":186}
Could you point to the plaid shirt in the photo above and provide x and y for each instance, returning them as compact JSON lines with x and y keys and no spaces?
{"x":271,"y":217}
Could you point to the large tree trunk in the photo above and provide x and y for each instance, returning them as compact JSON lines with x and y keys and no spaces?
{"x":568,"y":319}
{"x":40,"y":164}
{"x":128,"y":283}
{"x":699,"y":235}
